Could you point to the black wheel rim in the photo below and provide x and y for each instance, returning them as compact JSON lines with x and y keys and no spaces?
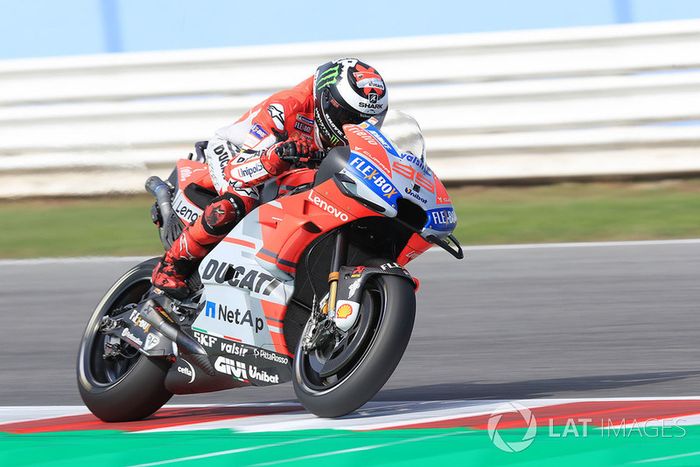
{"x":107,"y":372}
{"x":358,"y":342}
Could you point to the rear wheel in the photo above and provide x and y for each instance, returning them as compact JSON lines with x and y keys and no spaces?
{"x":128,"y":386}
{"x":375,"y":345}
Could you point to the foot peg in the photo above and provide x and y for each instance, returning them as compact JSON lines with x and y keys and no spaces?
{"x":185,"y":343}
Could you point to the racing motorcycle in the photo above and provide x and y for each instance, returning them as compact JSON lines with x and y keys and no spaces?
{"x":309,"y":287}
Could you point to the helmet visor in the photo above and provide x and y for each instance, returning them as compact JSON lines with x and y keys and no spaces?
{"x":339,"y":114}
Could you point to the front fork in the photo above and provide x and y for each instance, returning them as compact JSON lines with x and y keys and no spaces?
{"x":340,"y":254}
{"x":324,"y":330}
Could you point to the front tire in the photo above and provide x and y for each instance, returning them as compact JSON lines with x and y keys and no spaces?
{"x":395,"y":306}
{"x":131,"y":388}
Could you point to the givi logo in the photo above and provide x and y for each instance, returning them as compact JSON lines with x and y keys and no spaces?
{"x":329,"y":208}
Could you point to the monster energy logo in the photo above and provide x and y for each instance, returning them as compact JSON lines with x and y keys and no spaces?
{"x":328,"y":77}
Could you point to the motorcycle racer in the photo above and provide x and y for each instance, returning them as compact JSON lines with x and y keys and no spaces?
{"x":283,"y":130}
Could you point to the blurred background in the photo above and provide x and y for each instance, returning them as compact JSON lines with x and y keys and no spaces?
{"x":551,"y":121}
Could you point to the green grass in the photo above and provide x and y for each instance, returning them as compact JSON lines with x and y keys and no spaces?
{"x":578,"y":212}
{"x":120,"y":226}
{"x":487,"y":215}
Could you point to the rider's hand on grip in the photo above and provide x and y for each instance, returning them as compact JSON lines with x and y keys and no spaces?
{"x":316,"y":157}
{"x":293,"y":150}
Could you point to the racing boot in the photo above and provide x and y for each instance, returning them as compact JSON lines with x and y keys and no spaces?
{"x":193,"y":244}
{"x":173,"y":270}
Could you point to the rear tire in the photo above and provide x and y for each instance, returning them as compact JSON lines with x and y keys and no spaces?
{"x":129,"y":390}
{"x":378,"y":362}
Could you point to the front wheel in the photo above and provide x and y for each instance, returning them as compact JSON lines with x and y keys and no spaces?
{"x":378,"y":340}
{"x":128,"y":386}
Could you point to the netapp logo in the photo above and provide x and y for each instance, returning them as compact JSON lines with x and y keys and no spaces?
{"x":224,"y":313}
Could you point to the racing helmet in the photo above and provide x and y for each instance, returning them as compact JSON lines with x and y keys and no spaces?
{"x":346,"y":91}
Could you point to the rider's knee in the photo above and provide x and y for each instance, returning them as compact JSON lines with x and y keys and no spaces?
{"x":222,"y":214}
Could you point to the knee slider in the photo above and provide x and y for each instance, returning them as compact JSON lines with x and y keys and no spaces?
{"x":221,"y":215}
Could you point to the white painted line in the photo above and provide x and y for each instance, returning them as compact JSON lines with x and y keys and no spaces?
{"x":231,"y":451}
{"x":374,"y":415}
{"x":20,"y":414}
{"x":75,"y":260}
{"x":522,"y":246}
{"x":361,"y":448}
{"x":667,"y":458}
{"x":527,"y":246}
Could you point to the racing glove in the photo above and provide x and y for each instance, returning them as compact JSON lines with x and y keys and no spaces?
{"x":281,"y":156}
{"x":293,"y":150}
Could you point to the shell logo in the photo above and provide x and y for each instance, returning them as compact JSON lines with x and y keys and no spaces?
{"x":344,"y":311}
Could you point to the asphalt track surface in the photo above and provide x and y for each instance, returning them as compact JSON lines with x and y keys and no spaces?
{"x":603,"y":320}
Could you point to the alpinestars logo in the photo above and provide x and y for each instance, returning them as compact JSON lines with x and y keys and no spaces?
{"x":231,"y":367}
{"x":276,"y":112}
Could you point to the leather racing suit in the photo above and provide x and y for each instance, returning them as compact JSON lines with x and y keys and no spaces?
{"x":240,"y":158}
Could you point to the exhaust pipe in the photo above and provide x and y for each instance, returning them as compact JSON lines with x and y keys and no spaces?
{"x":161,"y":192}
{"x":185,"y":343}
{"x":171,"y":227}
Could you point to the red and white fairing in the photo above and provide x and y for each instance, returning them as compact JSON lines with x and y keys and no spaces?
{"x":248,"y":278}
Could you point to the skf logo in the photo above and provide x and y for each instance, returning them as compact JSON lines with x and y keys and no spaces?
{"x":231,"y":367}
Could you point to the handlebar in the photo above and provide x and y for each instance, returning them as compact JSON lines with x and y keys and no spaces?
{"x":316,"y":156}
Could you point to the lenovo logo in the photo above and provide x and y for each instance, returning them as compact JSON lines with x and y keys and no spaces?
{"x":329,"y":208}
